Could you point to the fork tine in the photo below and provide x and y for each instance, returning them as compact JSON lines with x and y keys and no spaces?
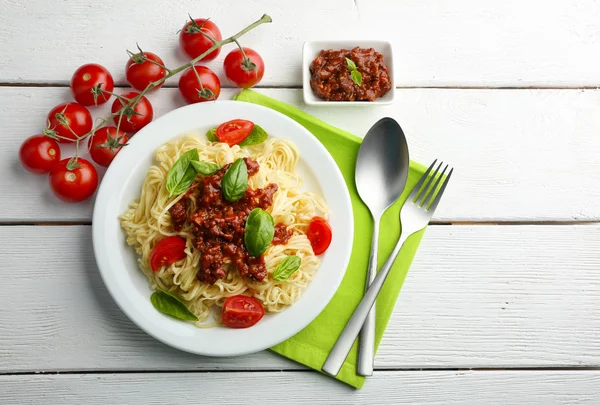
{"x":431,"y":193}
{"x":438,"y":197}
{"x":417,"y":189}
{"x":427,"y":189}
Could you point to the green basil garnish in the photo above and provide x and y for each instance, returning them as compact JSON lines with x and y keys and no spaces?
{"x":258,"y":135}
{"x":169,"y":304}
{"x":182,"y":174}
{"x":211,"y":135}
{"x":286,"y":268}
{"x":205,"y":168}
{"x":235,"y":181}
{"x":260,"y":229}
{"x":355,"y":75}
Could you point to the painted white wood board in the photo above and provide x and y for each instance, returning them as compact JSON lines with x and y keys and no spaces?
{"x":476,"y":296}
{"x":266,"y":388}
{"x":441,"y":43}
{"x":520,"y":155}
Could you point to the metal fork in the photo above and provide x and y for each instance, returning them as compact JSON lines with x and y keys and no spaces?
{"x":414,"y":216}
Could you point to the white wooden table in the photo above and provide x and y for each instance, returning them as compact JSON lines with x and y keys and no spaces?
{"x":502,"y":303}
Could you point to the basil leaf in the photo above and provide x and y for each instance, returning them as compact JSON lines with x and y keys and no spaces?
{"x":286,"y":268}
{"x":260,"y":229}
{"x":182,"y":174}
{"x":235,"y":181}
{"x":205,"y":168}
{"x":351,"y":64}
{"x":258,"y":135}
{"x":169,"y":304}
{"x":211,"y":135}
{"x":356,"y":77}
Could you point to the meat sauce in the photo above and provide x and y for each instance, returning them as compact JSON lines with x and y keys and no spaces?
{"x":331,"y":79}
{"x":219,"y":226}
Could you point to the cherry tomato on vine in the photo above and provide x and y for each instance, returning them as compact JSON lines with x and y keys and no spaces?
{"x":140,"y":72}
{"x":244,"y":72}
{"x":193,"y":43}
{"x":133,"y":119}
{"x":88,"y":83}
{"x":234,"y":131}
{"x":167,"y":251}
{"x":203,"y":85}
{"x":68,"y":121}
{"x":241,"y":311}
{"x":105,"y":143}
{"x":319,"y":235}
{"x":73,"y":184}
{"x":39,"y":153}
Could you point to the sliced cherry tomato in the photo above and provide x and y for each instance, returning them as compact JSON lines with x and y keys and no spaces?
{"x":204,"y":85}
{"x":140,"y":72}
{"x":89,"y":82}
{"x":241,"y":311}
{"x":319,"y":235}
{"x":133,"y":119}
{"x":68,"y":121}
{"x":244,"y":72}
{"x":105,"y":144}
{"x":194,"y":43}
{"x":167,"y":251}
{"x":76,"y":184}
{"x":234,"y":131}
{"x":39,"y":154}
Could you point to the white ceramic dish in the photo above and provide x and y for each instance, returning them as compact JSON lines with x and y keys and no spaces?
{"x":129,"y":286}
{"x":311,"y":50}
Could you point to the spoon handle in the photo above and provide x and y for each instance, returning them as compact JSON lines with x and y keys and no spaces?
{"x":342,"y":347}
{"x":366,"y":340}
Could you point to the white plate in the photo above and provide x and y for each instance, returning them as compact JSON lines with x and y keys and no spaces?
{"x":129,"y":286}
{"x":311,"y":50}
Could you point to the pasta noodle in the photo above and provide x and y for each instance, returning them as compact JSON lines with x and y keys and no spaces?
{"x":148,"y":220}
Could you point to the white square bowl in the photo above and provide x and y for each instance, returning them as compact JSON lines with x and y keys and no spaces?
{"x":311,"y":50}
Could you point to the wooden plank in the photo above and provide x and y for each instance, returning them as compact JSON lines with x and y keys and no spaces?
{"x":468,"y":43}
{"x":408,"y":387}
{"x":476,"y":296}
{"x":520,"y":155}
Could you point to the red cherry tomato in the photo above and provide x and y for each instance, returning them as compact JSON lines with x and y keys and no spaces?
{"x":90,"y":80}
{"x":68,"y":121}
{"x":105,"y":144}
{"x":242,"y":72}
{"x":319,"y":235}
{"x":140,"y":72}
{"x":194,"y":43}
{"x":204,"y":85}
{"x":39,"y":154}
{"x":73,"y":185}
{"x":234,"y":131}
{"x":167,"y":251}
{"x":241,"y":311}
{"x":133,"y":119}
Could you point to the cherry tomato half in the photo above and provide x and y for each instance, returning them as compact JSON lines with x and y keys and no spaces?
{"x":89,"y":80}
{"x":140,"y":72}
{"x":241,"y":311}
{"x":194,"y":43}
{"x":73,"y":185}
{"x":133,"y":119}
{"x":242,"y":72}
{"x":167,"y":251}
{"x":319,"y":235}
{"x":105,"y":143}
{"x":204,"y":85}
{"x":68,"y":121}
{"x":234,"y":131}
{"x":39,"y":153}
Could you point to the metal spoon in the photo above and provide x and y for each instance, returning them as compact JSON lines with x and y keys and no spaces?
{"x":381,"y":174}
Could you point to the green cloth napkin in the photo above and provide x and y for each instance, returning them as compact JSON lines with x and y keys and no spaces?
{"x":312,"y":345}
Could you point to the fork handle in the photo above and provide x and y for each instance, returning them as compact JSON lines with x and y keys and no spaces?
{"x":342,"y":347}
{"x":366,"y":340}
